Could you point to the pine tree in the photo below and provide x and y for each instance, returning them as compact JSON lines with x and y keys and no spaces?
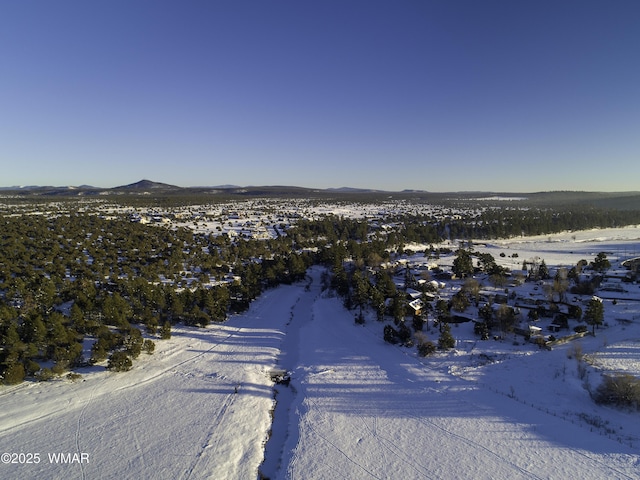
{"x":390,"y":334}
{"x":446,"y":340}
{"x":595,"y":313}
{"x":119,"y":362}
{"x":149,"y":346}
{"x":601,"y":264}
{"x":165,"y":331}
{"x":482,"y":330}
{"x":462,"y":264}
{"x":543,"y":270}
{"x":14,"y":374}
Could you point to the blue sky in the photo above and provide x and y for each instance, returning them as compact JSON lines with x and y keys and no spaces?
{"x":442,"y":96}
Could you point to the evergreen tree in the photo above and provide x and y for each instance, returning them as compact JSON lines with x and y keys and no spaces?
{"x":13,"y":374}
{"x":119,"y":362}
{"x":506,"y":318}
{"x":133,"y":342}
{"x":165,"y":331}
{"x":543,"y":270}
{"x":417,"y":323}
{"x":404,"y":333}
{"x":148,"y":346}
{"x":446,"y":340}
{"x":482,"y":330}
{"x":595,"y":313}
{"x":459,"y":301}
{"x":360,"y":289}
{"x":443,"y":312}
{"x":377,"y":302}
{"x":601,"y":264}
{"x":399,"y":307}
{"x":390,"y":334}
{"x":462,"y":264}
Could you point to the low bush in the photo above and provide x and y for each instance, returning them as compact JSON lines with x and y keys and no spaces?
{"x":580,"y":328}
{"x":44,"y":375}
{"x":119,"y":362}
{"x":426,"y":348}
{"x":14,"y":374}
{"x":390,"y":334}
{"x":619,"y":390}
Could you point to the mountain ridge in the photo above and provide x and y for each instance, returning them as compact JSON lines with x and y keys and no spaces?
{"x":629,"y":200}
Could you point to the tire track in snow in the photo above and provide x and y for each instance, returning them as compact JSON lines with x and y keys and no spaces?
{"x":342,"y":452}
{"x":212,"y":430}
{"x":79,"y":424}
{"x":605,"y":465}
{"x":389,"y":446}
{"x":138,"y":447}
{"x":581,"y":453}
{"x":476,"y":445}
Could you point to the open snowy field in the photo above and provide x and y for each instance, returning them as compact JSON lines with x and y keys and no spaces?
{"x":566,"y":249}
{"x":356,"y":407}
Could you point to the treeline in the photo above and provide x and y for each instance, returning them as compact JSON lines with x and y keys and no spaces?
{"x":512,"y":222}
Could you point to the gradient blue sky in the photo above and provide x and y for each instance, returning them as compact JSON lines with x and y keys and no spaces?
{"x":514,"y":96}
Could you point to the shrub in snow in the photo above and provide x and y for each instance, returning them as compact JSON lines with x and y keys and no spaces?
{"x":390,"y":334}
{"x":31,"y":367}
{"x":165,"y":332}
{"x":73,"y":376}
{"x":14,"y":374}
{"x":404,"y":333}
{"x":426,"y":348}
{"x":119,"y":362}
{"x":44,"y":375}
{"x":620,"y":390}
{"x":482,"y":330}
{"x":149,"y":346}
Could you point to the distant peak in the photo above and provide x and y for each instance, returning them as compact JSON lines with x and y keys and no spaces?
{"x":147,"y":185}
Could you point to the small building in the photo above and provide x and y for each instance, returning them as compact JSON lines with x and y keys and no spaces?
{"x":534,"y":330}
{"x":416,"y":306}
{"x":554,"y":327}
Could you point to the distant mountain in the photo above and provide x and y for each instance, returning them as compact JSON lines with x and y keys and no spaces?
{"x":147,"y":185}
{"x":222,"y":187}
{"x":22,"y":187}
{"x":352,"y":190}
{"x":607,"y":200}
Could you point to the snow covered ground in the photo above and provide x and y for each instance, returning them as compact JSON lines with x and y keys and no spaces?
{"x":355,"y":407}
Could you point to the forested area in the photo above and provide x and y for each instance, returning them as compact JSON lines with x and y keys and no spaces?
{"x":69,"y":278}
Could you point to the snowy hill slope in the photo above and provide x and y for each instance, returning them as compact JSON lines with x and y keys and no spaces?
{"x":175,"y":415}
